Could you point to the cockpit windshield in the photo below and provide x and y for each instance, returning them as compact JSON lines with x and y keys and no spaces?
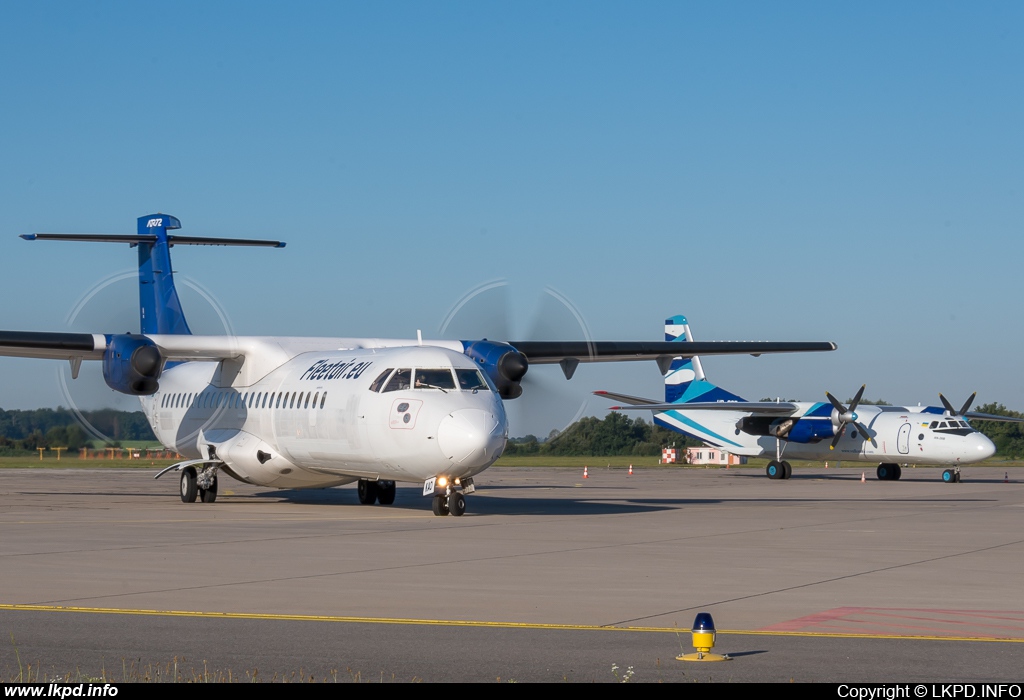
{"x":430,"y":378}
{"x":434,"y":379}
{"x":470,"y":380}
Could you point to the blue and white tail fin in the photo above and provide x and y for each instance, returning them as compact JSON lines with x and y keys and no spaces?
{"x":159,"y":307}
{"x":685,"y":381}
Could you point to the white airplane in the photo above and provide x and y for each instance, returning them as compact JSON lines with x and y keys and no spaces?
{"x":292,"y":412}
{"x":889,"y":435}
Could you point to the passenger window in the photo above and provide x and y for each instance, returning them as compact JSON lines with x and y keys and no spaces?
{"x":315,"y":397}
{"x":434,"y":379}
{"x":399,"y":381}
{"x":307,"y":401}
{"x":379,"y":381}
{"x":323,"y":399}
{"x":291,"y":404}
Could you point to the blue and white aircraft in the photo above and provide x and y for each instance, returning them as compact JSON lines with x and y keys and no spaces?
{"x":291,"y":412}
{"x":889,"y":435}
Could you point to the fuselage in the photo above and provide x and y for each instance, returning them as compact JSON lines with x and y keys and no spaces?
{"x":330,"y":417}
{"x":897,"y":434}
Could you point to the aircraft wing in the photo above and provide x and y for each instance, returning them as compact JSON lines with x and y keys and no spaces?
{"x":992,"y":417}
{"x":52,"y":346}
{"x":542,"y":352}
{"x":761,"y":408}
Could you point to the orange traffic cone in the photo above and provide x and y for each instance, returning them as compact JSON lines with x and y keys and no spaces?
{"x":631,"y":470}
{"x":862,"y":479}
{"x":585,"y":472}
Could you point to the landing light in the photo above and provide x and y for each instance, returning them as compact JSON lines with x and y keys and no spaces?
{"x":442,"y":481}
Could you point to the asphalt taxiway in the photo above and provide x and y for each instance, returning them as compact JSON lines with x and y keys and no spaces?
{"x":547,"y":577}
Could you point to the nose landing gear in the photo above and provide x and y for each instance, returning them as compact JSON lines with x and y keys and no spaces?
{"x":448,"y":498}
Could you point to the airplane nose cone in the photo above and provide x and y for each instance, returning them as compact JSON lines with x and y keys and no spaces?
{"x":471,"y":437}
{"x":980,"y":447}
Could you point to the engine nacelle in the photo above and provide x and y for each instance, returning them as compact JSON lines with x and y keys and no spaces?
{"x":803,"y":430}
{"x":132,"y":365}
{"x":505,"y":365}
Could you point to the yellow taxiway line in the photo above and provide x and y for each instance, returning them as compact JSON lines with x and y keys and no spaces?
{"x":475,"y":623}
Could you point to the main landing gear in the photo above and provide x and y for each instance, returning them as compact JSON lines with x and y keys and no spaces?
{"x":382,"y":492}
{"x":951,"y":476}
{"x":778,"y":470}
{"x":201,"y":485}
{"x":888,"y":472}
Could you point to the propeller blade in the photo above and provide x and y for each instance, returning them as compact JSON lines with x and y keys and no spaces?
{"x":967,"y":403}
{"x":835,"y":403}
{"x":865,"y":433}
{"x":856,"y":399}
{"x":839,"y":434}
{"x":482,"y":312}
{"x":949,"y":407}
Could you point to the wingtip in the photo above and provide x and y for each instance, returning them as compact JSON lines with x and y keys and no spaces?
{"x":28,"y":236}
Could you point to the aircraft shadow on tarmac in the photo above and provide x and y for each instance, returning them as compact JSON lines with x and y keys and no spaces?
{"x":480,"y":503}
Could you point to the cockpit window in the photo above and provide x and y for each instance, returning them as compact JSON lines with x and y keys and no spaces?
{"x":379,"y":381}
{"x":470,"y":380}
{"x":434,"y":379}
{"x":933,"y":425}
{"x":399,"y":380}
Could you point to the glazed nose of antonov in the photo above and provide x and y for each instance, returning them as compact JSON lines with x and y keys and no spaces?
{"x":471,"y":437}
{"x":979,"y":446}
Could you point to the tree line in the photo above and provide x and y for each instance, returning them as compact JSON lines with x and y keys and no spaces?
{"x":22,"y":431}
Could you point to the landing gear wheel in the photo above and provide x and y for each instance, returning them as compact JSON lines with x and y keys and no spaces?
{"x":949,"y":476}
{"x":367,"y":492}
{"x":787,"y":470}
{"x":189,"y":489}
{"x":956,"y":477}
{"x":897,"y":472}
{"x":456,"y":504}
{"x":774,"y":470}
{"x":883,"y":472}
{"x":385,"y":492}
{"x":209,"y":495}
{"x":440,"y":505}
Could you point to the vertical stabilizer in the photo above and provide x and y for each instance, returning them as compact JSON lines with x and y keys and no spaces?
{"x":685,"y":380}
{"x":159,"y":307}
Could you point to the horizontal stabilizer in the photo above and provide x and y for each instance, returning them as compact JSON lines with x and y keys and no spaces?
{"x":135,"y":239}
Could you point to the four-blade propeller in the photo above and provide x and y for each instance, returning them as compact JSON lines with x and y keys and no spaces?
{"x":844,"y":416}
{"x":963,"y":411}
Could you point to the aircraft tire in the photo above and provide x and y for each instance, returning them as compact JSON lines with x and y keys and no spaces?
{"x":897,"y":472}
{"x":883,"y":472}
{"x":209,"y":495}
{"x":787,"y":470}
{"x":367,"y":491}
{"x":949,"y":476}
{"x":189,"y":489}
{"x":956,"y":477}
{"x":774,"y":470}
{"x":386,"y":492}
{"x":456,"y":504}
{"x":440,"y":505}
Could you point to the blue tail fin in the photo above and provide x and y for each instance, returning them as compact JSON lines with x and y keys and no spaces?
{"x":685,"y":381}
{"x":159,"y":307}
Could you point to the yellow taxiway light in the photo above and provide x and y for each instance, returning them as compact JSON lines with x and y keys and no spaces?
{"x":703,"y":636}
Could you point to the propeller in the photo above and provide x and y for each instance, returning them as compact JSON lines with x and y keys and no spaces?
{"x":111,"y":305}
{"x":843,"y":416}
{"x":493,"y":311}
{"x":966,"y":407}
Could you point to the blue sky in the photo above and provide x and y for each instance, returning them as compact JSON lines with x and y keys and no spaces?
{"x":799,"y":171}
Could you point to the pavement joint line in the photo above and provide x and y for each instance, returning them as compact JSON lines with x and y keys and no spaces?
{"x":277,"y":617}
